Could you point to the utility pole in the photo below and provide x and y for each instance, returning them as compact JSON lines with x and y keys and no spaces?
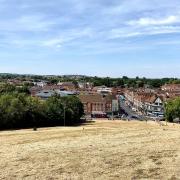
{"x":112,"y":108}
{"x":64,"y":114}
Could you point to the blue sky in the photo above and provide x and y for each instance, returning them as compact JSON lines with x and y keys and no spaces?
{"x":92,"y":37}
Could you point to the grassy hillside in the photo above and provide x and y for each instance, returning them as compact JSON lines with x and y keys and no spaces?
{"x":99,"y":150}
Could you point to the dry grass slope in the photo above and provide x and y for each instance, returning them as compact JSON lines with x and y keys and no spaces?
{"x":99,"y":150}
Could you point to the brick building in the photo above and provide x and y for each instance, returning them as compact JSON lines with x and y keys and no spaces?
{"x":97,"y":103}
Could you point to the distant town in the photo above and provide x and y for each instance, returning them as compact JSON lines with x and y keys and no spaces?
{"x":123,"y":98}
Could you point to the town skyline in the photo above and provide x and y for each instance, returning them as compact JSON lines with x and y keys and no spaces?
{"x":88,"y":76}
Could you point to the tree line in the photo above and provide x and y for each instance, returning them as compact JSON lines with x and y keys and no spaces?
{"x":132,"y":82}
{"x":97,"y":81}
{"x":18,"y":110}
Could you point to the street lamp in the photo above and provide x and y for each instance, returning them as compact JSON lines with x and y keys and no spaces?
{"x":64,"y":114}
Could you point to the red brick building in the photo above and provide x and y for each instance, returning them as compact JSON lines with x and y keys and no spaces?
{"x":96,"y":103}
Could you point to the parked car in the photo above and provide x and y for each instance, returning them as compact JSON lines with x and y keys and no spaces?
{"x":124,"y":117}
{"x":134,"y":109}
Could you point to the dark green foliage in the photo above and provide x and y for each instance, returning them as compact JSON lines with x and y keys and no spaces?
{"x":120,"y":82}
{"x":23,"y":89}
{"x":54,"y":81}
{"x":8,"y":88}
{"x":172,"y":108}
{"x":130,"y":82}
{"x":54,"y":110}
{"x":155,"y":83}
{"x":19,"y":110}
{"x":73,"y":108}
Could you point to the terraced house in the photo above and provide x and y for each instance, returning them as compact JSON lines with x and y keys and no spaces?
{"x":147,"y":103}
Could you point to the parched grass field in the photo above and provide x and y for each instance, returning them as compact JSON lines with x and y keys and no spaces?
{"x":97,"y":150}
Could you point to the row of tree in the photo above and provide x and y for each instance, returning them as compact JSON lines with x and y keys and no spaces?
{"x":97,"y":81}
{"x":120,"y":82}
{"x":19,"y":110}
{"x":131,"y":82}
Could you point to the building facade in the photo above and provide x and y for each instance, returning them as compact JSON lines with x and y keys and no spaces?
{"x":96,"y":103}
{"x":147,"y":103}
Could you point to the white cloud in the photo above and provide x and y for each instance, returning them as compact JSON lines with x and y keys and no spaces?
{"x":152,"y":21}
{"x":24,"y":23}
{"x":68,"y":36}
{"x":63,"y":23}
{"x":133,"y":32}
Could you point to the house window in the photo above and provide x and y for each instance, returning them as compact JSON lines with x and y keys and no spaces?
{"x":155,"y":109}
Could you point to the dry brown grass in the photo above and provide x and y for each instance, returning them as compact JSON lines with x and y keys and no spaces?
{"x":99,"y":150}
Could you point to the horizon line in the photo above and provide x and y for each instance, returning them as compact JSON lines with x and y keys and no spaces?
{"x":93,"y":76}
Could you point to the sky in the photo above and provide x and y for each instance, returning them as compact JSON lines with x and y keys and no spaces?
{"x":91,"y":37}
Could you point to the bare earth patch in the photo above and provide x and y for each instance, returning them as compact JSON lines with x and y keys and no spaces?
{"x":98,"y":150}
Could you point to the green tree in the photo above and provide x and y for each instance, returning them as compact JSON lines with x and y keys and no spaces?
{"x":120,"y":82}
{"x":11,"y":111}
{"x":54,"y":110}
{"x":35,"y":112}
{"x":172,"y":109}
{"x":23,"y":89}
{"x":54,"y":81}
{"x":74,"y":109}
{"x":7,"y":88}
{"x":75,"y":83}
